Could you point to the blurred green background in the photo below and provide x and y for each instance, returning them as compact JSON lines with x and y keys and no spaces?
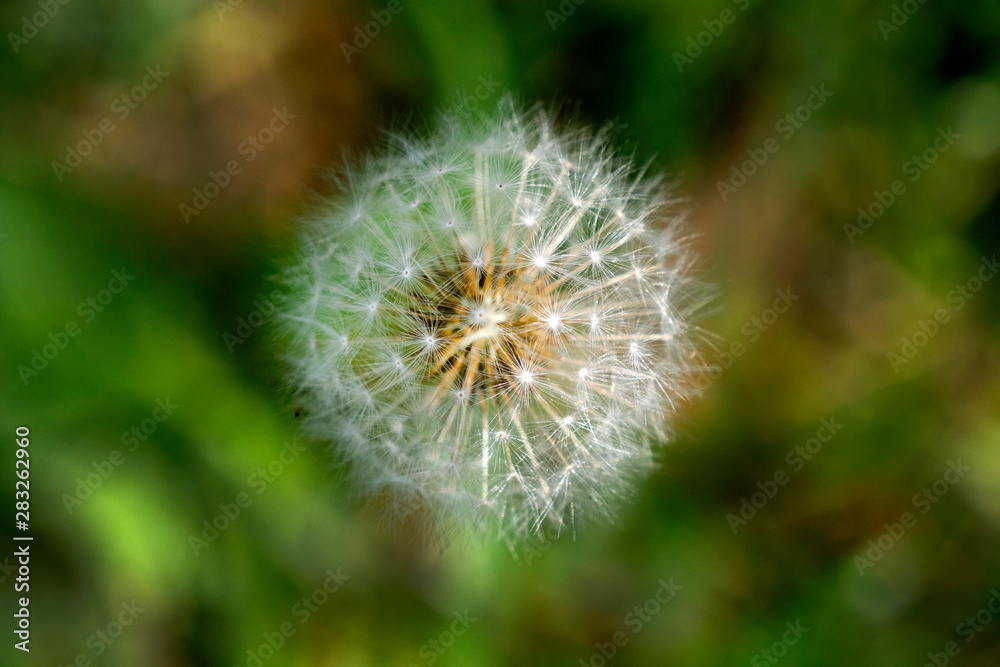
{"x":766,"y":554}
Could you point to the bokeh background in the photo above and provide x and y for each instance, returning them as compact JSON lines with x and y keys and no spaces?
{"x":683,"y":84}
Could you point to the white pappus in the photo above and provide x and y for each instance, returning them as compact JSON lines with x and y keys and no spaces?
{"x":492,"y":324}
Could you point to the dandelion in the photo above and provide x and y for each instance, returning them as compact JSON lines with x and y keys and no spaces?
{"x":492,"y":324}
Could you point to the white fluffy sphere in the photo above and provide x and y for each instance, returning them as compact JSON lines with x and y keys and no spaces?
{"x":491,"y":324}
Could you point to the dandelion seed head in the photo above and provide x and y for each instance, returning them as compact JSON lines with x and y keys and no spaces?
{"x":485,"y":327}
